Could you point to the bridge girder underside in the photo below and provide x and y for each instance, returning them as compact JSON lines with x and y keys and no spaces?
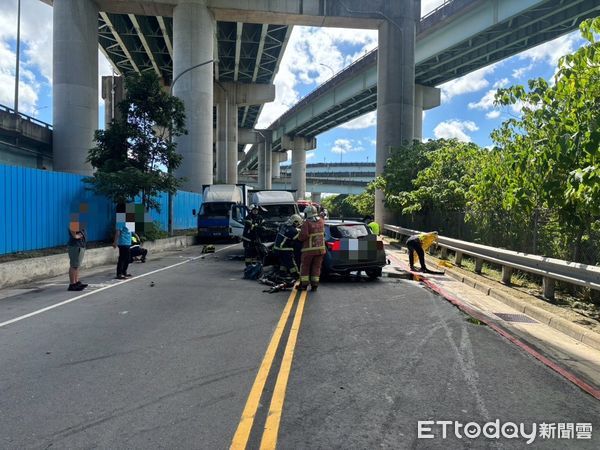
{"x":536,"y":26}
{"x":356,"y":106}
{"x":246,"y":52}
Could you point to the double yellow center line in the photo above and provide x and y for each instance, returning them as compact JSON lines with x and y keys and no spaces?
{"x":269,"y":437}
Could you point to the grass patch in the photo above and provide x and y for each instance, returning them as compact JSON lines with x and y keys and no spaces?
{"x":475,"y":321}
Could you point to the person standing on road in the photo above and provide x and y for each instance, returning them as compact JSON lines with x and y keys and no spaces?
{"x":123,"y":241}
{"x":76,"y":250}
{"x":287,"y":235}
{"x":419,"y":244}
{"x":250,"y":235}
{"x":312,"y":235}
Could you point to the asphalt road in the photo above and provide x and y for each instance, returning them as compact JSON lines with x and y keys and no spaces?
{"x":170,"y":359}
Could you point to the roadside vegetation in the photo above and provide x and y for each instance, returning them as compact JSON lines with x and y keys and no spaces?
{"x":536,"y":191}
{"x":135,"y":155}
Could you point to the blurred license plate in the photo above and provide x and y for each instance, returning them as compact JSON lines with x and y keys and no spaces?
{"x":359,"y":250}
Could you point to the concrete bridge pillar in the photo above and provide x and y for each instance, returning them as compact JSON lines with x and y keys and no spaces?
{"x":193,"y":36}
{"x":395,"y":87}
{"x":275,"y":165}
{"x":265,"y":157}
{"x":299,"y":172}
{"x":74,"y":83}
{"x":425,"y":98}
{"x":227,"y":139}
{"x":315,"y":197}
{"x":230,"y":96}
{"x":298,"y":145}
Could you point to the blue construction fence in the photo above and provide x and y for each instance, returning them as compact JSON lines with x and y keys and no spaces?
{"x":36,"y":207}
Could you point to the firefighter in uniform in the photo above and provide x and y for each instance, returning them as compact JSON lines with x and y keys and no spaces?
{"x":312,"y":235}
{"x":250,"y":235}
{"x":287,"y":235}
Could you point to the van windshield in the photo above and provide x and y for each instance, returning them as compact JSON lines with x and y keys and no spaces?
{"x":215,"y":209}
{"x":274,"y":212}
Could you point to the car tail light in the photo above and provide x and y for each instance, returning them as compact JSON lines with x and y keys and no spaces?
{"x":334,"y":246}
{"x":379,"y":245}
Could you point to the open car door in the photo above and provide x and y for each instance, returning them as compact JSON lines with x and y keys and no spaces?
{"x":236,"y":220}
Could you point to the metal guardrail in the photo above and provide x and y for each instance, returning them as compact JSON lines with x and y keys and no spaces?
{"x":549,"y":269}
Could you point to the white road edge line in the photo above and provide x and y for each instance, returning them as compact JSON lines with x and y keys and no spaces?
{"x":87,"y":294}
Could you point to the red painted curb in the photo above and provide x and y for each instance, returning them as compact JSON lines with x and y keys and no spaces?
{"x":537,"y":355}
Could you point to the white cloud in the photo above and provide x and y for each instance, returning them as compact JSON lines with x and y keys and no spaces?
{"x":550,"y":52}
{"x":36,"y":53}
{"x":365,"y":121}
{"x":28,"y":86}
{"x":312,"y":55}
{"x":518,"y":73}
{"x":310,"y":155}
{"x":501,"y":83}
{"x":473,"y":82}
{"x":342,"y":146}
{"x":36,"y":33}
{"x":486,"y":102}
{"x":493,"y":114}
{"x":455,"y":129}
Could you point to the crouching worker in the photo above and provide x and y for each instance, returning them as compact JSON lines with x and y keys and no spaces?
{"x":312,"y":235}
{"x":287,"y":235}
{"x":420,"y":243}
{"x":136,"y":250}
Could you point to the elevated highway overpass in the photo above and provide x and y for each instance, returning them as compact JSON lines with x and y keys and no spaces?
{"x":332,"y":178}
{"x":246,"y":40}
{"x":455,"y":39}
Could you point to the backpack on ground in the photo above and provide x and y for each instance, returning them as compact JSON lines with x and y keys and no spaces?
{"x":253,"y":271}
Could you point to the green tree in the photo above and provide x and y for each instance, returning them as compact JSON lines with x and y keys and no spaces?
{"x":444,"y":183}
{"x":364,"y":203}
{"x":338,"y":206}
{"x":131,"y":155}
{"x":553,"y":149}
{"x":401,"y":168}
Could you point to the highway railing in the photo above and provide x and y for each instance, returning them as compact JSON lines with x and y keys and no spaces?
{"x":550,"y":269}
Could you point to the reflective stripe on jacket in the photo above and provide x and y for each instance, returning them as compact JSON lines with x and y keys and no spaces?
{"x":312,"y":235}
{"x":285,"y":237}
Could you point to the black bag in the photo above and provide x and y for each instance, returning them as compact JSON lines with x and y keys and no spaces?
{"x":253,"y":271}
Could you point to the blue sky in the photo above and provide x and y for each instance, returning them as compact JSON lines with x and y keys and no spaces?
{"x":312,"y":55}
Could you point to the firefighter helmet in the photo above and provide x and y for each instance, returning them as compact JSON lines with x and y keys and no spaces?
{"x":310,"y":211}
{"x":295,"y":220}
